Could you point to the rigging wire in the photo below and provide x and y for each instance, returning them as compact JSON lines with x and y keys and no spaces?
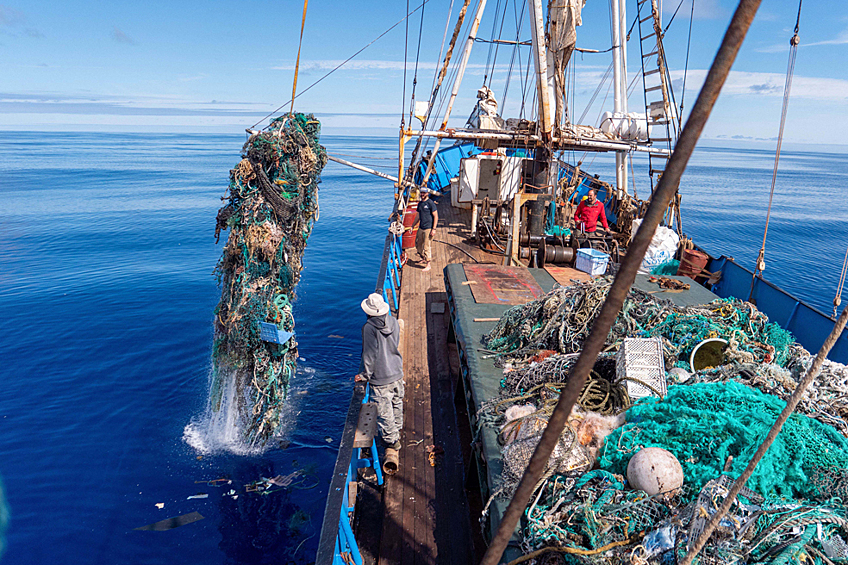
{"x":497,"y":48}
{"x":405,"y":49}
{"x":595,"y":94}
{"x":838,"y":298}
{"x":668,"y":25}
{"x":519,"y":22}
{"x":790,"y":71}
{"x":417,"y":58}
{"x":492,"y":40}
{"x":434,"y":88}
{"x":686,"y":67}
{"x":340,"y":65}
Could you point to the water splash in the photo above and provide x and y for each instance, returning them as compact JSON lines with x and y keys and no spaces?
{"x":221,"y":427}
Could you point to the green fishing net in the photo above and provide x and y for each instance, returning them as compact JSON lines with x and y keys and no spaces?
{"x":703,"y":424}
{"x":272,"y":203}
{"x":561,"y":321}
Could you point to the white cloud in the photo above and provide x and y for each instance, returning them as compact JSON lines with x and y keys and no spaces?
{"x":840,"y":39}
{"x":743,"y":83}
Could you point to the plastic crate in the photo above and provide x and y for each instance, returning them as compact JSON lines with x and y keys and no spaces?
{"x":270,"y":332}
{"x":592,"y":261}
{"x":640,"y":360}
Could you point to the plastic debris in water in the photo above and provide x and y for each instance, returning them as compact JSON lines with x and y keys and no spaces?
{"x":198,"y":495}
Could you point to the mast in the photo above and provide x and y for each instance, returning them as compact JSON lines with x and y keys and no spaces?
{"x":619,"y":67}
{"x":540,"y":60}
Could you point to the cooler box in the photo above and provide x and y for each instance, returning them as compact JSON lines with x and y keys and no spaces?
{"x":592,"y":261}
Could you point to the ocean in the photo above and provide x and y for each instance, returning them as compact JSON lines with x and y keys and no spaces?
{"x":106,"y":289}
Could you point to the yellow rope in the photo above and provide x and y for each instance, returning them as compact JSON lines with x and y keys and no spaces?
{"x":575,"y":550}
{"x":297,"y":64}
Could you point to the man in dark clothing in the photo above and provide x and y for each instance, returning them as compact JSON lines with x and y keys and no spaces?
{"x":428,"y":217}
{"x":382,"y":367}
{"x":588,"y":212}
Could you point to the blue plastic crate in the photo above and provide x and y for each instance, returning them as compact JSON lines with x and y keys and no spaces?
{"x":592,"y":261}
{"x":270,"y":332}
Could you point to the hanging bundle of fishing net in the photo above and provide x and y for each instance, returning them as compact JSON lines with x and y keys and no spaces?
{"x":272,"y":203}
{"x":561,"y":320}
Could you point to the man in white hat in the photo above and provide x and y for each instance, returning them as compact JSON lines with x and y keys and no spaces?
{"x":382,"y":367}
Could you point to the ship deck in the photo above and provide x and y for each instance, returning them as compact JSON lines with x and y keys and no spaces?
{"x":426,"y":517}
{"x":428,"y":507}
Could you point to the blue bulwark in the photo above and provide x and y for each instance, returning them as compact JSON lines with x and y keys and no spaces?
{"x":270,"y":332}
{"x":809,"y":326}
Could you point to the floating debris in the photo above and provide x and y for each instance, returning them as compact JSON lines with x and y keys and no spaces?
{"x":272,"y":203}
{"x":171,"y":523}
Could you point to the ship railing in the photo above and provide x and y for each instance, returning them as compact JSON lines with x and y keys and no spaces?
{"x":337,"y":545}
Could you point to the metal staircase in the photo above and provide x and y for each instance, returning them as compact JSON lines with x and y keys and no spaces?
{"x":660,"y":109}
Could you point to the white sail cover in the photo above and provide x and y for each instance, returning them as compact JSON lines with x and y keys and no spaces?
{"x":563,"y":18}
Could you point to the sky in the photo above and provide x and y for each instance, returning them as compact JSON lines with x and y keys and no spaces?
{"x":217,"y":66}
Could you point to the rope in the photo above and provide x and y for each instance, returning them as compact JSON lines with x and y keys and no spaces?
{"x":297,"y":64}
{"x":337,"y":67}
{"x":790,"y":71}
{"x":838,"y":298}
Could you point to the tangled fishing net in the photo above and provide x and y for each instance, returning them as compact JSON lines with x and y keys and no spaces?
{"x":272,"y":203}
{"x":704,"y":424}
{"x":561,"y":321}
{"x":711,"y":419}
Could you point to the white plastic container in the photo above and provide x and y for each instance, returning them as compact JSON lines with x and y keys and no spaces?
{"x":592,"y":261}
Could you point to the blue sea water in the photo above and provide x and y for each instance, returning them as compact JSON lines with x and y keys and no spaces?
{"x":107,"y":293}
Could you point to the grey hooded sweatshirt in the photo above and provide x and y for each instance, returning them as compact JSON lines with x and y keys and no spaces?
{"x":381,"y":362}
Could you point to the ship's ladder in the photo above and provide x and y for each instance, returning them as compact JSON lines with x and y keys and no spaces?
{"x":663,"y":119}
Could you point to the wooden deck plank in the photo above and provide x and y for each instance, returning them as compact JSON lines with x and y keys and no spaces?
{"x":422,"y":502}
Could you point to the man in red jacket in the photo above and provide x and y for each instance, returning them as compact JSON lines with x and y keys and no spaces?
{"x":588,"y":211}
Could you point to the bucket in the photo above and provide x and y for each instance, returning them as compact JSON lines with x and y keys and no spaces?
{"x":708,"y":353}
{"x":692,"y":262}
{"x":409,"y":218}
{"x":390,"y":465}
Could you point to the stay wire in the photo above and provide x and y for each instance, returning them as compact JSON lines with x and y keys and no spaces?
{"x":519,"y":21}
{"x":491,"y":42}
{"x":686,"y":67}
{"x":405,"y":58}
{"x":337,"y":67}
{"x":417,"y":58}
{"x":838,"y":298}
{"x":668,"y":25}
{"x":491,"y":72}
{"x":787,"y":88}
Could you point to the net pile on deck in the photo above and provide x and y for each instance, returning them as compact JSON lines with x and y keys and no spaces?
{"x":712,"y":421}
{"x":560,"y":321}
{"x":272,"y":203}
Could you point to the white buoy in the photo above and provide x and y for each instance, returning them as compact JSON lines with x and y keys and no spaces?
{"x":655,"y":470}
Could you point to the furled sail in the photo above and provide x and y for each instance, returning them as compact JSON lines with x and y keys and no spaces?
{"x":563,"y":18}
